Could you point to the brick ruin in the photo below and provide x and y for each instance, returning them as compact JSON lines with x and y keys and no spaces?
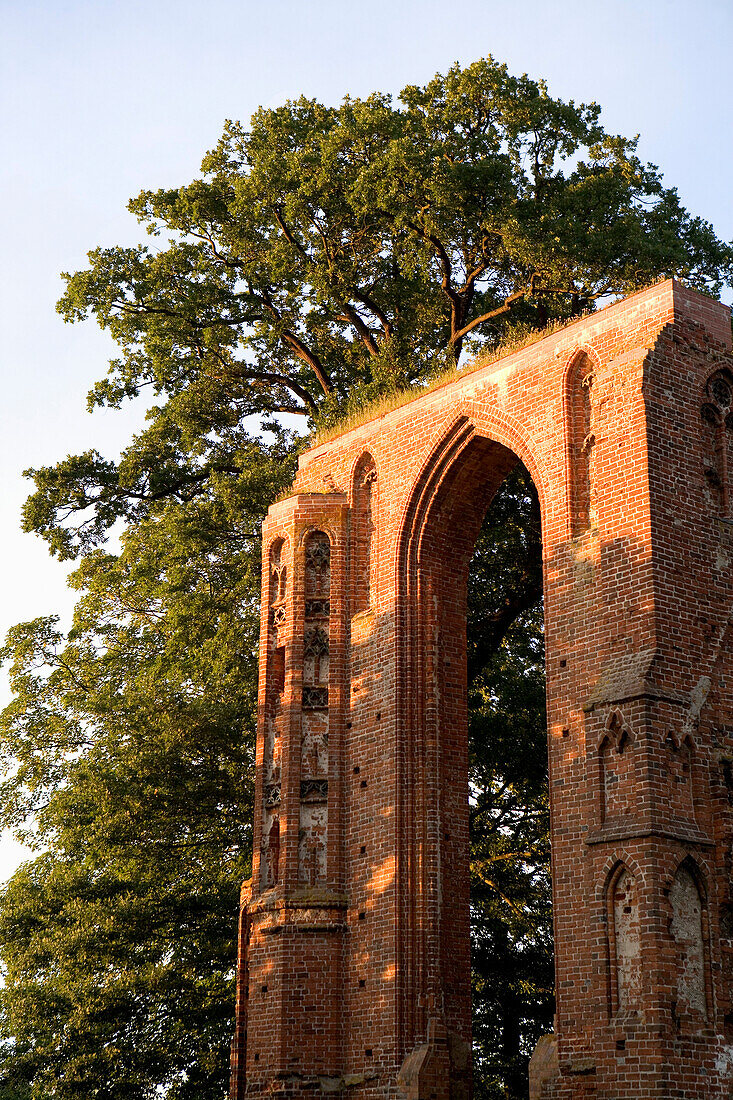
{"x":354,"y":947}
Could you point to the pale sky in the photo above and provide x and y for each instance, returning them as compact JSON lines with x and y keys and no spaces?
{"x":101,"y":98}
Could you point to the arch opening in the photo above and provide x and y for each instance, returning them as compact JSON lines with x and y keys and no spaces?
{"x":511,"y":910}
{"x":473,"y":687}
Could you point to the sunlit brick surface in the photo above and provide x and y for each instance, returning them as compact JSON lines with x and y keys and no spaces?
{"x":354,"y":960}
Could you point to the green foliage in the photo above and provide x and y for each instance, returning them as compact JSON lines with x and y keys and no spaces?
{"x":510,"y":854}
{"x":328,"y":256}
{"x":327,"y":248}
{"x":129,"y":743}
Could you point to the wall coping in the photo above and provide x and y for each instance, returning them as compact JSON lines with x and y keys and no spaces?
{"x":681,"y":302}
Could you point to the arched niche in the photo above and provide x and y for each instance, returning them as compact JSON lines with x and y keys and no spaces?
{"x":716,"y":417}
{"x":277,"y":594}
{"x":616,"y":765}
{"x":579,"y":382}
{"x":278,"y":573}
{"x":688,"y":930}
{"x":317,"y":569}
{"x":363,"y":530}
{"x":624,"y":941}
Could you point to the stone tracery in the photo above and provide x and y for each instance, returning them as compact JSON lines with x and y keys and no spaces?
{"x":314,"y":740}
{"x":274,"y":717}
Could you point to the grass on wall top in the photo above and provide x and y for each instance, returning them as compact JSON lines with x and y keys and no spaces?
{"x":358,"y":412}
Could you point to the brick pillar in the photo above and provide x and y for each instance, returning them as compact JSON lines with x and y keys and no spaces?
{"x":288,"y":1036}
{"x":639,"y":597}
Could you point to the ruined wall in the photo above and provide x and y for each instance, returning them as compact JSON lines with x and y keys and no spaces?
{"x":354,"y":967}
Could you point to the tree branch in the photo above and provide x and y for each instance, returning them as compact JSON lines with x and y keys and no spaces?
{"x":296,"y":344}
{"x":237,"y":370}
{"x":508,"y":302}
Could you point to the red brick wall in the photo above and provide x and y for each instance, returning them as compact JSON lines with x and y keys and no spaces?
{"x":360,"y":978}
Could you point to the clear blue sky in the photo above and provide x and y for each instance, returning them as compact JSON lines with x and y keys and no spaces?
{"x":101,"y":98}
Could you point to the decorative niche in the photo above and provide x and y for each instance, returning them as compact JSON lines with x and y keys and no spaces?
{"x":716,"y":415}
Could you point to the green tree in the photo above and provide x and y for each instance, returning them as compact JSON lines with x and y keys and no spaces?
{"x":129,"y":745}
{"x":327,"y":255}
{"x":510,"y":853}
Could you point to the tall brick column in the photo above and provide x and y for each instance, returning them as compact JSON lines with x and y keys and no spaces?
{"x":293,"y":909}
{"x":354,"y":959}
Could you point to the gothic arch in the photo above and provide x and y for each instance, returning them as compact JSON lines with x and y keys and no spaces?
{"x":464,"y":467}
{"x":580,"y":375}
{"x":634,"y":611}
{"x":616,"y":762}
{"x":316,"y":529}
{"x":689,"y":930}
{"x":364,"y":530}
{"x":624,"y":958}
{"x":716,"y":420}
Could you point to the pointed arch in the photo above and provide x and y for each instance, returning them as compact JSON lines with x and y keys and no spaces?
{"x":580,"y":440}
{"x":616,"y":763}
{"x":716,"y":418}
{"x":363,"y":530}
{"x":688,"y":928}
{"x":623,"y":942}
{"x":278,"y":572}
{"x":468,"y":459}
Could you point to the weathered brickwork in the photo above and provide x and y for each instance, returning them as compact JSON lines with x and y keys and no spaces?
{"x":354,"y":949}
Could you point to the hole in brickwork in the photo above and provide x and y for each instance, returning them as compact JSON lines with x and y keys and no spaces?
{"x":362,"y":916}
{"x":563,"y":663}
{"x":379,"y":716}
{"x":566,"y":732}
{"x":263,"y":989}
{"x":363,"y":783}
{"x":257,"y":1057}
{"x":362,"y":850}
{"x":348,"y":725}
{"x":620,"y":1044}
{"x":368,"y":1052}
{"x":357,"y":769}
{"x":362,"y":983}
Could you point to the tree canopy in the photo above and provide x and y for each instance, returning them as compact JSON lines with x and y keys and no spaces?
{"x":326,"y":256}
